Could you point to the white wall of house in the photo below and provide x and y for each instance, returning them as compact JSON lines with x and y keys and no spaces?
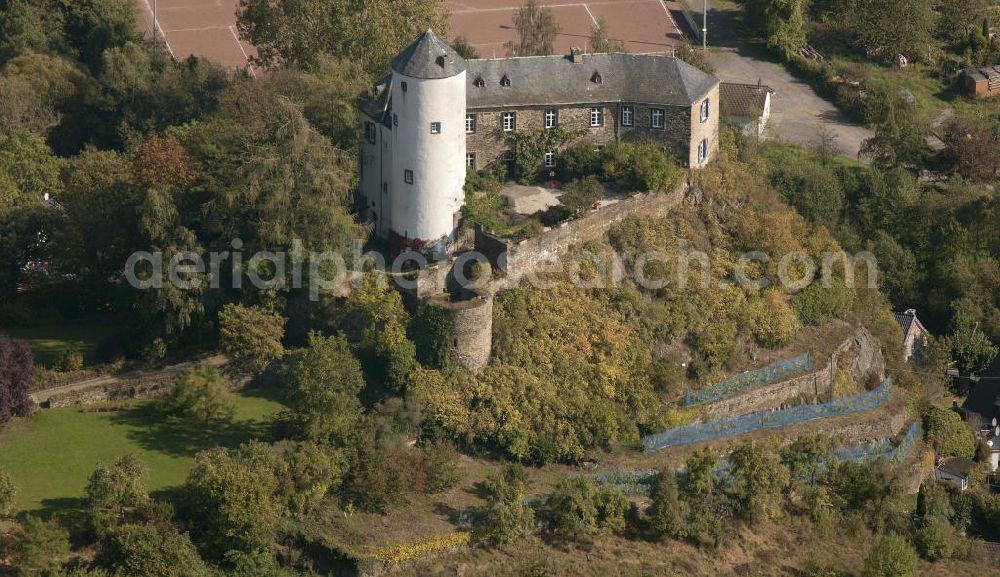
{"x":959,"y":482}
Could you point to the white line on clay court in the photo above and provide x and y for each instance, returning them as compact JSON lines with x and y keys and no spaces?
{"x":245,"y":55}
{"x":157,"y":22}
{"x":591,"y":14}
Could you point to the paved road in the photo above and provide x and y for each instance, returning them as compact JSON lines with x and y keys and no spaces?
{"x":42,"y":396}
{"x":796,"y":111}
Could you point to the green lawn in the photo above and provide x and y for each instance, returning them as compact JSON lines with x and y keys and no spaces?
{"x":49,"y":340}
{"x":51,"y":454}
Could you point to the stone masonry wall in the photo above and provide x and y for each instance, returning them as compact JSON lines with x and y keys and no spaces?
{"x":675,"y":136}
{"x":866,"y":358}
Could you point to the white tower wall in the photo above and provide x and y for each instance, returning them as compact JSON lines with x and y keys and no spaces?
{"x":425,"y":210}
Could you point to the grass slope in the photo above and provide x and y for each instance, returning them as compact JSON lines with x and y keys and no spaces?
{"x":51,"y":454}
{"x":50,"y":339}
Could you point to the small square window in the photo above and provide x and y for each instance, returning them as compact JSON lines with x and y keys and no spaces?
{"x":435,"y":128}
{"x":706,"y":109}
{"x":550,"y":160}
{"x":628,"y":116}
{"x":470,"y":123}
{"x":509,"y":121}
{"x":703,"y":151}
{"x":596,"y":117}
{"x":408,"y":176}
{"x":657,"y":118}
{"x":470,"y":160}
{"x":551,"y":118}
{"x":370,"y":132}
{"x":402,"y":86}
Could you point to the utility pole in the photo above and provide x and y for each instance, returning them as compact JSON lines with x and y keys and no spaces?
{"x":704,"y":27}
{"x":154,"y":28}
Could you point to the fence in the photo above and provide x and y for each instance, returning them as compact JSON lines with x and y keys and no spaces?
{"x":640,"y":483}
{"x":883,"y":449}
{"x":749,"y":380}
{"x":711,"y":430}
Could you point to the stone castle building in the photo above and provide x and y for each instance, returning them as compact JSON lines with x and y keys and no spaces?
{"x":437,"y":114}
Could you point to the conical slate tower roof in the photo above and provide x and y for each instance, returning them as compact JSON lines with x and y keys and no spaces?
{"x":429,"y":57}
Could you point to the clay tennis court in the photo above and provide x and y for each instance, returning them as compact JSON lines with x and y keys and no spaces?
{"x":644,"y":25}
{"x":204,"y":28}
{"x":207,"y":28}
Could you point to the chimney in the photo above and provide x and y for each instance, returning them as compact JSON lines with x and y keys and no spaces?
{"x":575,"y":54}
{"x":911,"y":312}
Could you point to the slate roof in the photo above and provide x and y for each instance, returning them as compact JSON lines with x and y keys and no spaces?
{"x":429,"y":57}
{"x":556,"y":80}
{"x":743,"y":100}
{"x":957,"y":466}
{"x":907,"y":320}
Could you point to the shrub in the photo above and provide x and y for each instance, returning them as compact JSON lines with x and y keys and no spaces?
{"x":949,"y":434}
{"x":251,"y":337}
{"x":43,"y":548}
{"x":116,"y":494}
{"x":8,"y":493}
{"x":577,"y":509}
{"x":580,"y":195}
{"x":441,"y":467}
{"x":616,"y":161}
{"x":892,"y":556}
{"x":758,"y":480}
{"x":506,"y":517}
{"x":666,"y":512}
{"x":936,"y":539}
{"x":229,"y":499}
{"x":152,"y":551}
{"x":200,"y":397}
{"x":816,"y":304}
{"x":579,"y":161}
{"x":70,"y":360}
{"x":378,"y":480}
{"x":652,"y":170}
{"x":17,"y":364}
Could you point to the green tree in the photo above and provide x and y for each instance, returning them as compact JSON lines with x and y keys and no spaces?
{"x":42,"y":548}
{"x":378,"y":480}
{"x":117,"y":494}
{"x":537,"y":29}
{"x":780,"y":22}
{"x":306,"y":474}
{"x":389,"y":353}
{"x":297,"y":32}
{"x":506,"y":517}
{"x":758,"y":481}
{"x":579,"y":510}
{"x":972,"y":350}
{"x":936,"y":539}
{"x":948,"y":433}
{"x":601,"y":42}
{"x":322,"y":384}
{"x":880,"y":29}
{"x":667,"y":513}
{"x":701,"y":492}
{"x":8,"y":494}
{"x":251,"y":336}
{"x":957,"y":17}
{"x":892,"y":556}
{"x":200,"y":397}
{"x":899,"y":135}
{"x":807,"y":455}
{"x":229,"y":499}
{"x":441,"y":465}
{"x":28,"y":171}
{"x":152,"y":551}
{"x":466,"y":50}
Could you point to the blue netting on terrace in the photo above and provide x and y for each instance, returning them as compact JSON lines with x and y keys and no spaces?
{"x":749,"y":380}
{"x":708,"y":431}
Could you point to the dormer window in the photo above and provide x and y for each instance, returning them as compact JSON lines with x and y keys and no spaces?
{"x":479,"y":82}
{"x":505,"y":81}
{"x":596,"y":78}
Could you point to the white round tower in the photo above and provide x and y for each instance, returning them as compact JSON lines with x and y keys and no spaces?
{"x":428,"y":128}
